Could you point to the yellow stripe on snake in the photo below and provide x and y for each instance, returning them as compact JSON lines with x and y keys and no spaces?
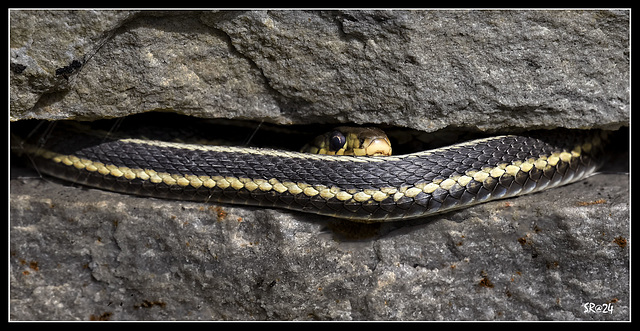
{"x":360,"y":188}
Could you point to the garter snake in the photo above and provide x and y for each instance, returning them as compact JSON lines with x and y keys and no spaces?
{"x":360,"y":188}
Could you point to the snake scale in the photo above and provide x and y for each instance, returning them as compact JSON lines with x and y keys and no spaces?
{"x":359,"y":188}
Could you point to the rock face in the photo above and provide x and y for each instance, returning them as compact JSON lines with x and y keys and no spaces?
{"x":421,"y":69}
{"x":81,"y":254}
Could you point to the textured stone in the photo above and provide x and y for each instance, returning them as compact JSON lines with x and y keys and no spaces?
{"x":86,"y":254}
{"x":421,"y":69}
{"x":78,"y":254}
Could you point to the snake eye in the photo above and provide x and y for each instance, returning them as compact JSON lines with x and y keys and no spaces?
{"x":336,"y":141}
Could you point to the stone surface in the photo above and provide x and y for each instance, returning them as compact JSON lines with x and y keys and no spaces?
{"x":81,"y":254}
{"x":86,"y":254}
{"x":425,"y":70}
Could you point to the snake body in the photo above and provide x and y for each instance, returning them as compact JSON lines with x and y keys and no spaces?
{"x":368,"y":189}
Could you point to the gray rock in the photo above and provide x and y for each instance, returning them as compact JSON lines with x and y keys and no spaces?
{"x":80,"y":254}
{"x":83,"y":254}
{"x":425,"y":70}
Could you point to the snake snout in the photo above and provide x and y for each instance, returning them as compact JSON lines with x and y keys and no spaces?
{"x":379,"y":147}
